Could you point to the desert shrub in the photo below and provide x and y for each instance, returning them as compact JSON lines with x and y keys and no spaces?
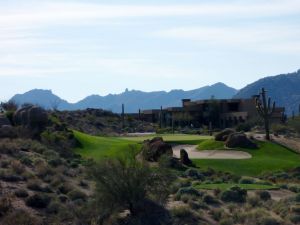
{"x":208,"y":199}
{"x":9,"y":177}
{"x":65,"y":188}
{"x":235,"y":194}
{"x":77,"y":194}
{"x":21,"y":193}
{"x":126,"y":183}
{"x":26,"y":161}
{"x":34,"y":185}
{"x":55,"y":162}
{"x":166,"y":161}
{"x":17,"y":166}
{"x":295,"y":218}
{"x":5,"y":205}
{"x":268,"y":221}
{"x":254,"y":201}
{"x":189,"y":191}
{"x":43,"y":170}
{"x":181,"y":212}
{"x":297,"y":198}
{"x":263,"y":195}
{"x":194,"y":173}
{"x":217,"y":214}
{"x":38,"y":201}
{"x":54,"y":207}
{"x":294,"y":188}
{"x":279,"y":128}
{"x":63,"y":198}
{"x":246,"y":180}
{"x":226,"y":221}
{"x":20,"y":217}
{"x":4,"y":163}
{"x":245,"y":127}
{"x":186,"y":198}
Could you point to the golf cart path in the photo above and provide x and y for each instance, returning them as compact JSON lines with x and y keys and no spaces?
{"x":209,"y":154}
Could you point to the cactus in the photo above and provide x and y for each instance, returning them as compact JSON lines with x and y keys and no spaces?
{"x":265,"y":110}
{"x":123,"y":116}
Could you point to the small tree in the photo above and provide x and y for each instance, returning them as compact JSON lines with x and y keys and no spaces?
{"x":265,"y":110}
{"x":128,"y":184}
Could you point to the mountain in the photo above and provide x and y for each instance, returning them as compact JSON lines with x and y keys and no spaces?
{"x":44,"y":98}
{"x":284,"y":89}
{"x":133,"y":100}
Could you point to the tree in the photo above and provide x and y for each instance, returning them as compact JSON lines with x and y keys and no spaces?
{"x":265,"y":110}
{"x":125,"y":183}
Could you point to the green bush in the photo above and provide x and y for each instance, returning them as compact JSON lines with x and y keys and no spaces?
{"x":263,"y":195}
{"x":246,"y":180}
{"x":297,"y":198}
{"x":76,"y":194}
{"x":5,"y":205}
{"x":208,"y":199}
{"x":189,"y":191}
{"x":295,"y":218}
{"x":269,"y":221}
{"x":194,"y":173}
{"x":38,"y":201}
{"x":235,"y":194}
{"x":20,"y":217}
{"x":21,"y":193}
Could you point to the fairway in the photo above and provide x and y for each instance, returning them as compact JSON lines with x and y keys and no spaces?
{"x":227,"y":186}
{"x":100,"y":147}
{"x":174,"y":138}
{"x":269,"y":156}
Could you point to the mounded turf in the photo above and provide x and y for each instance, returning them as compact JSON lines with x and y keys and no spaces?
{"x":226,"y":186}
{"x":268,"y":157}
{"x":98,"y":148}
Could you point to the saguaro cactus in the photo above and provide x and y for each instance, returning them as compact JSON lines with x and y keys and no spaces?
{"x":123,"y":116}
{"x":265,"y":110}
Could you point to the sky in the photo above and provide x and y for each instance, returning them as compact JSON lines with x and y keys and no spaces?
{"x":78,"y":48}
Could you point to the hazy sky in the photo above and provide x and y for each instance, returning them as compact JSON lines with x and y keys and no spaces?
{"x":77,"y":48}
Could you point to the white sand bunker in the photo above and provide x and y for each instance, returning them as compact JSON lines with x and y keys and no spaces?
{"x":210,"y":154}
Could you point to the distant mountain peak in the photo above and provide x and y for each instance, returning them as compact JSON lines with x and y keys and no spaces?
{"x":133,"y":99}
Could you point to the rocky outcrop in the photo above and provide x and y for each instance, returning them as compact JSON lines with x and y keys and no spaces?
{"x":223,"y":135}
{"x":239,"y":140}
{"x":31,"y":117}
{"x":153,"y":149}
{"x":184,"y":157}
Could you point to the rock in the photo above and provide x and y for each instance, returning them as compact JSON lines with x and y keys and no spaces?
{"x":239,"y":140}
{"x":7,"y":131}
{"x":31,"y":117}
{"x":223,"y":135}
{"x":153,"y":149}
{"x":184,"y":157}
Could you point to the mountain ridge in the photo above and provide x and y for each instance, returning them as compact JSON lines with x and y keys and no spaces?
{"x":133,"y":99}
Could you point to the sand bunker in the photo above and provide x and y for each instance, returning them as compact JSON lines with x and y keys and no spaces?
{"x":210,"y":154}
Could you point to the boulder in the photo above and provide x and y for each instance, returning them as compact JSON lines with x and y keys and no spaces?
{"x":7,"y":131}
{"x":153,"y":149}
{"x":223,"y":135}
{"x":31,"y":117}
{"x":239,"y":140}
{"x":184,"y":157}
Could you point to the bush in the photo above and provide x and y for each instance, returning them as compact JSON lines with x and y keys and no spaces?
{"x":182,"y":212}
{"x":295,"y":218}
{"x":235,"y":194}
{"x":76,"y":194}
{"x":297,"y":198}
{"x":245,"y":127}
{"x":263,"y":195}
{"x":20,"y":217}
{"x":5,"y":205}
{"x":246,"y":180}
{"x":194,"y":173}
{"x":17,"y":167}
{"x":189,"y":191}
{"x":21,"y":193}
{"x":38,"y":201}
{"x":208,"y":199}
{"x":226,"y":222}
{"x":269,"y":221}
